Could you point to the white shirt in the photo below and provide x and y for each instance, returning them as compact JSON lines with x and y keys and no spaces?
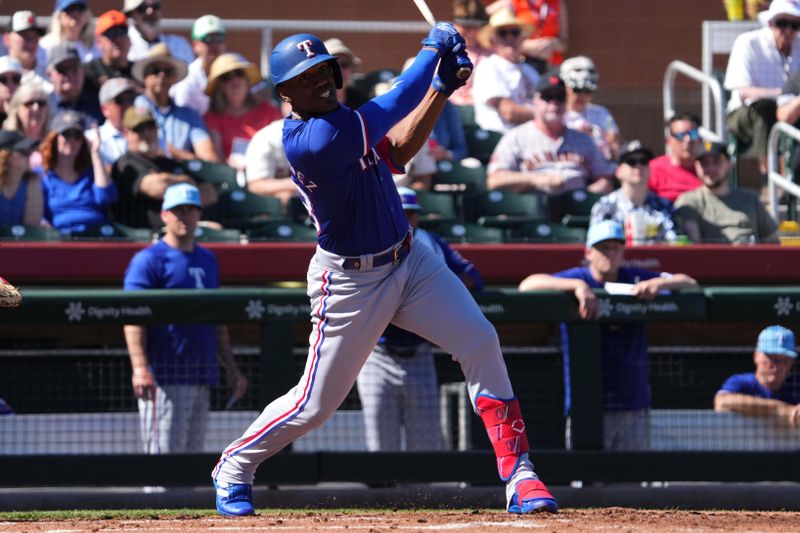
{"x":756,"y":62}
{"x":496,"y":77}
{"x":178,"y":46}
{"x":599,"y":120}
{"x":113,"y":143}
{"x":265,"y":157}
{"x":422,"y":164}
{"x":189,"y":92}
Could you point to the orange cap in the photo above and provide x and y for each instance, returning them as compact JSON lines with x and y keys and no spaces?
{"x":108,"y":20}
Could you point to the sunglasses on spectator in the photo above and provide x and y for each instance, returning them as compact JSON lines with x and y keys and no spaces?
{"x":115,"y":32}
{"x":41,"y":103}
{"x":124,"y":100}
{"x":582,"y":91}
{"x":68,"y":69}
{"x":508,"y":32}
{"x":75,"y":10}
{"x":782,"y":24}
{"x":232,"y":74}
{"x":155,"y":6}
{"x":141,"y":128}
{"x":11,"y":78}
{"x":692,"y":135}
{"x":213,"y":38}
{"x":155,"y":70}
{"x":72,"y":135}
{"x":558,"y":98}
{"x":636,"y":161}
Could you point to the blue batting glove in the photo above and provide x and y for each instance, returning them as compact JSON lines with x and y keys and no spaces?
{"x":446,"y":79}
{"x":445,"y":38}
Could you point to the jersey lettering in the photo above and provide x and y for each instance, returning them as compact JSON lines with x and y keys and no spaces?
{"x":370,"y":161}
{"x":199,"y":275}
{"x":307,"y":47}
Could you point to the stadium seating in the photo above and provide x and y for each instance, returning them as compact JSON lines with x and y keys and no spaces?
{"x":455,"y":177}
{"x":466,"y":232}
{"x":279,"y":230}
{"x":573,"y":208}
{"x":545,"y":232}
{"x":219,"y":174}
{"x":467,"y":115}
{"x":480,"y":142}
{"x":503,"y":208}
{"x":242,"y":209}
{"x":436,"y":208}
{"x":112,"y":232}
{"x":17,"y":232}
{"x":368,"y":81}
{"x":206,"y":234}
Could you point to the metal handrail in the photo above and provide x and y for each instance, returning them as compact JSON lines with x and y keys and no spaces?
{"x":708,"y":82}
{"x":774,"y":178}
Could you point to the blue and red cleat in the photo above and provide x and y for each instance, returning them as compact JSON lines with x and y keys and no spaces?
{"x":234,"y":499}
{"x":531,"y":496}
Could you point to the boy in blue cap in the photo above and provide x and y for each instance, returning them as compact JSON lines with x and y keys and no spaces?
{"x":626,"y":394}
{"x":770,"y":390}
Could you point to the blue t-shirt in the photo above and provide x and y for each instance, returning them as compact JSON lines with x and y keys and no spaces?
{"x":748,"y":384}
{"x":184,"y":354}
{"x":74,"y":207}
{"x":12,"y":210}
{"x":177,"y":125}
{"x":626,"y":367}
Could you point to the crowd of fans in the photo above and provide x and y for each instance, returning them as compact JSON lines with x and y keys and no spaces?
{"x":101,"y":114}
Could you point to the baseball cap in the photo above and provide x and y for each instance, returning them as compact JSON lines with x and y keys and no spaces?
{"x":24,"y":20}
{"x":62,"y":5}
{"x":60,"y":53}
{"x":634,"y":147}
{"x":108,"y":20}
{"x":135,"y":116}
{"x":607,"y":230}
{"x":336,"y":46}
{"x":10,"y":64}
{"x":469,"y":13}
{"x":159,"y":53}
{"x":13,"y":140}
{"x":711,"y":148}
{"x":114,"y":87}
{"x":409,"y":198}
{"x":131,"y":5}
{"x":579,"y":73}
{"x":551,"y":84}
{"x":181,"y":194}
{"x":68,"y":120}
{"x":206,"y":25}
{"x":779,"y":7}
{"x":776,"y":340}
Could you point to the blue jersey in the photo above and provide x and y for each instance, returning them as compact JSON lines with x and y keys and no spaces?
{"x":400,"y":338}
{"x":340,"y":163}
{"x":74,"y":207}
{"x":748,"y":384}
{"x":178,"y":353}
{"x":626,"y":367}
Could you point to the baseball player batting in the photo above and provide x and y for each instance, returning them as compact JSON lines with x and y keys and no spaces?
{"x":365,"y":273}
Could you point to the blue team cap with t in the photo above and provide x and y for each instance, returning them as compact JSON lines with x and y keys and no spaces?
{"x":776,"y":340}
{"x":409,"y":198}
{"x":607,"y":230}
{"x":181,"y":194}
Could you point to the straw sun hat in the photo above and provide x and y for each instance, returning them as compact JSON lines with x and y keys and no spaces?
{"x":226,"y":63}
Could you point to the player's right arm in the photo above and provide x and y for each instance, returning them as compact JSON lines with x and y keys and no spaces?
{"x":746,"y":404}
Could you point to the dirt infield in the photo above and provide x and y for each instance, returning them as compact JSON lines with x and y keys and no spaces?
{"x":572,"y":520}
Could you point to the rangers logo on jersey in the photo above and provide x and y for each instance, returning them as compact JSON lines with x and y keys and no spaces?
{"x":307,"y":47}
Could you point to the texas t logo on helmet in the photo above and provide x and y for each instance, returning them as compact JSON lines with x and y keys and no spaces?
{"x":307,"y":46}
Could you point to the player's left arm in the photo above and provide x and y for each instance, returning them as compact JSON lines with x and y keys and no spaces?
{"x":648,"y":289}
{"x":236,"y":380}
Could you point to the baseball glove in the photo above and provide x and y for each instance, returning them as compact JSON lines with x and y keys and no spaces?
{"x":9,"y":294}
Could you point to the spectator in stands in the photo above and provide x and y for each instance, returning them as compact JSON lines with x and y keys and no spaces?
{"x":22,"y":42}
{"x":77,"y":189}
{"x":72,"y":23}
{"x":145,"y":31}
{"x":113,"y":44}
{"x":626,"y":395}
{"x":181,"y":130}
{"x":754,"y":7}
{"x":70,"y":91}
{"x":29,"y":114}
{"x":580,"y":76}
{"x":21,"y":199}
{"x":349,"y":95}
{"x":397,"y":385}
{"x":266,"y":167}
{"x":714,"y":212}
{"x":548,"y":42}
{"x":174,"y":366}
{"x":503,"y":84}
{"x":674,"y":173}
{"x":116,"y":96}
{"x":760,"y":64}
{"x":543,"y":155}
{"x":144,"y":172}
{"x":771,"y":390}
{"x":208,"y":42}
{"x":10,"y":79}
{"x":633,"y":196}
{"x":469,"y":17}
{"x":235,"y":116}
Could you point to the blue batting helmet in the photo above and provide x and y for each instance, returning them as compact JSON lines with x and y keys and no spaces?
{"x":298,"y":53}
